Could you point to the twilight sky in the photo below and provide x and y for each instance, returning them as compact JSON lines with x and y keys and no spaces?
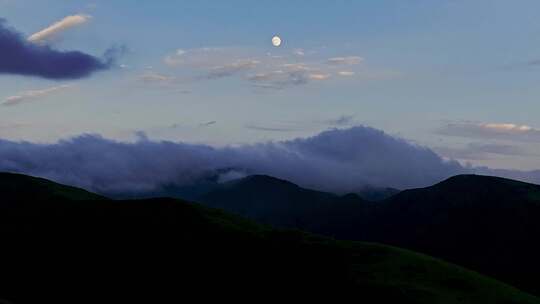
{"x":460,"y":77}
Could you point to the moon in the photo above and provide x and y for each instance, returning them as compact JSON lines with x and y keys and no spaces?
{"x":276,"y":41}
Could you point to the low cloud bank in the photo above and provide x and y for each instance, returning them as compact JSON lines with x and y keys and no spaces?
{"x":339,"y":160}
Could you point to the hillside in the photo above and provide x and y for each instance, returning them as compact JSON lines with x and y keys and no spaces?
{"x":18,"y":187}
{"x":282,"y":204}
{"x":75,"y":251}
{"x":485,"y":223}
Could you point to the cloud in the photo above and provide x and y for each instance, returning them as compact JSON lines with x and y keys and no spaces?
{"x":208,"y":123}
{"x":480,"y":151}
{"x":30,"y":95}
{"x":338,"y":160}
{"x":230,"y":176}
{"x":506,"y":131}
{"x":299,"y":52}
{"x":59,"y":27}
{"x":288,"y":75}
{"x":343,"y":120}
{"x":346,"y":73}
{"x":318,"y":76}
{"x":350,"y":60}
{"x":265,"y":70}
{"x":152,"y":77}
{"x":233,"y":68}
{"x":201,"y":57}
{"x":20,"y":57}
{"x":273,"y":128}
{"x":212,"y":62}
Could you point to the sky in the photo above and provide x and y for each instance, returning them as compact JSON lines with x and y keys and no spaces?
{"x":460,"y":77}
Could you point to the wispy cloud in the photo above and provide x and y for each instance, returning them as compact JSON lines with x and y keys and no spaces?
{"x":30,"y":95}
{"x":261,"y":70}
{"x":480,"y":151}
{"x":152,"y":77}
{"x":349,"y":60}
{"x":208,"y":123}
{"x":346,"y":73}
{"x":507,"y":131}
{"x":206,"y":57}
{"x":299,"y":52}
{"x":59,"y":27}
{"x":318,"y":76}
{"x":284,"y":75}
{"x":270,"y":128}
{"x":343,"y":120}
{"x":232,"y":68}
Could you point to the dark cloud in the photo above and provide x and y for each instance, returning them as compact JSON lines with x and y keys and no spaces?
{"x":334,"y":160}
{"x":20,"y":57}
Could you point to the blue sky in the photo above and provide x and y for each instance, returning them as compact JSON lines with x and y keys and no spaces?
{"x":460,"y":77}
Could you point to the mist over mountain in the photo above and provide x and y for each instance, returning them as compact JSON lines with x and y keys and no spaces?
{"x":337,"y":160}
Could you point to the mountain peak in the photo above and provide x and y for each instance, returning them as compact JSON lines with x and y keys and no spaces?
{"x":260,"y":180}
{"x":473,"y":180}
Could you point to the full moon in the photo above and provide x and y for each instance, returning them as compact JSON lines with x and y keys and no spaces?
{"x":276,"y":41}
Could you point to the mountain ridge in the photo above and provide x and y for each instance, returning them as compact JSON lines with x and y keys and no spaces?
{"x":447,"y":220}
{"x":167,"y":248}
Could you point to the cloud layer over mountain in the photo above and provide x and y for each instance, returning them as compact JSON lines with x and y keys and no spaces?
{"x":338,"y":160}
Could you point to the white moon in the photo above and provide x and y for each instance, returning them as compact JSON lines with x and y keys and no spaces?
{"x":276,"y":41}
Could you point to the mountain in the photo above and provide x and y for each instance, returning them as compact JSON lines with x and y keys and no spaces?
{"x":489,"y":224}
{"x":215,"y":180}
{"x":282,"y":204}
{"x":62,"y":249}
{"x":485,"y":223}
{"x":18,"y":187}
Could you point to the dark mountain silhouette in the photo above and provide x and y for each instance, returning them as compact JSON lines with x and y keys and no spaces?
{"x":485,"y":223}
{"x":18,"y":187}
{"x":58,"y":248}
{"x":282,"y":204}
{"x":212,"y":181}
{"x":489,"y":224}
